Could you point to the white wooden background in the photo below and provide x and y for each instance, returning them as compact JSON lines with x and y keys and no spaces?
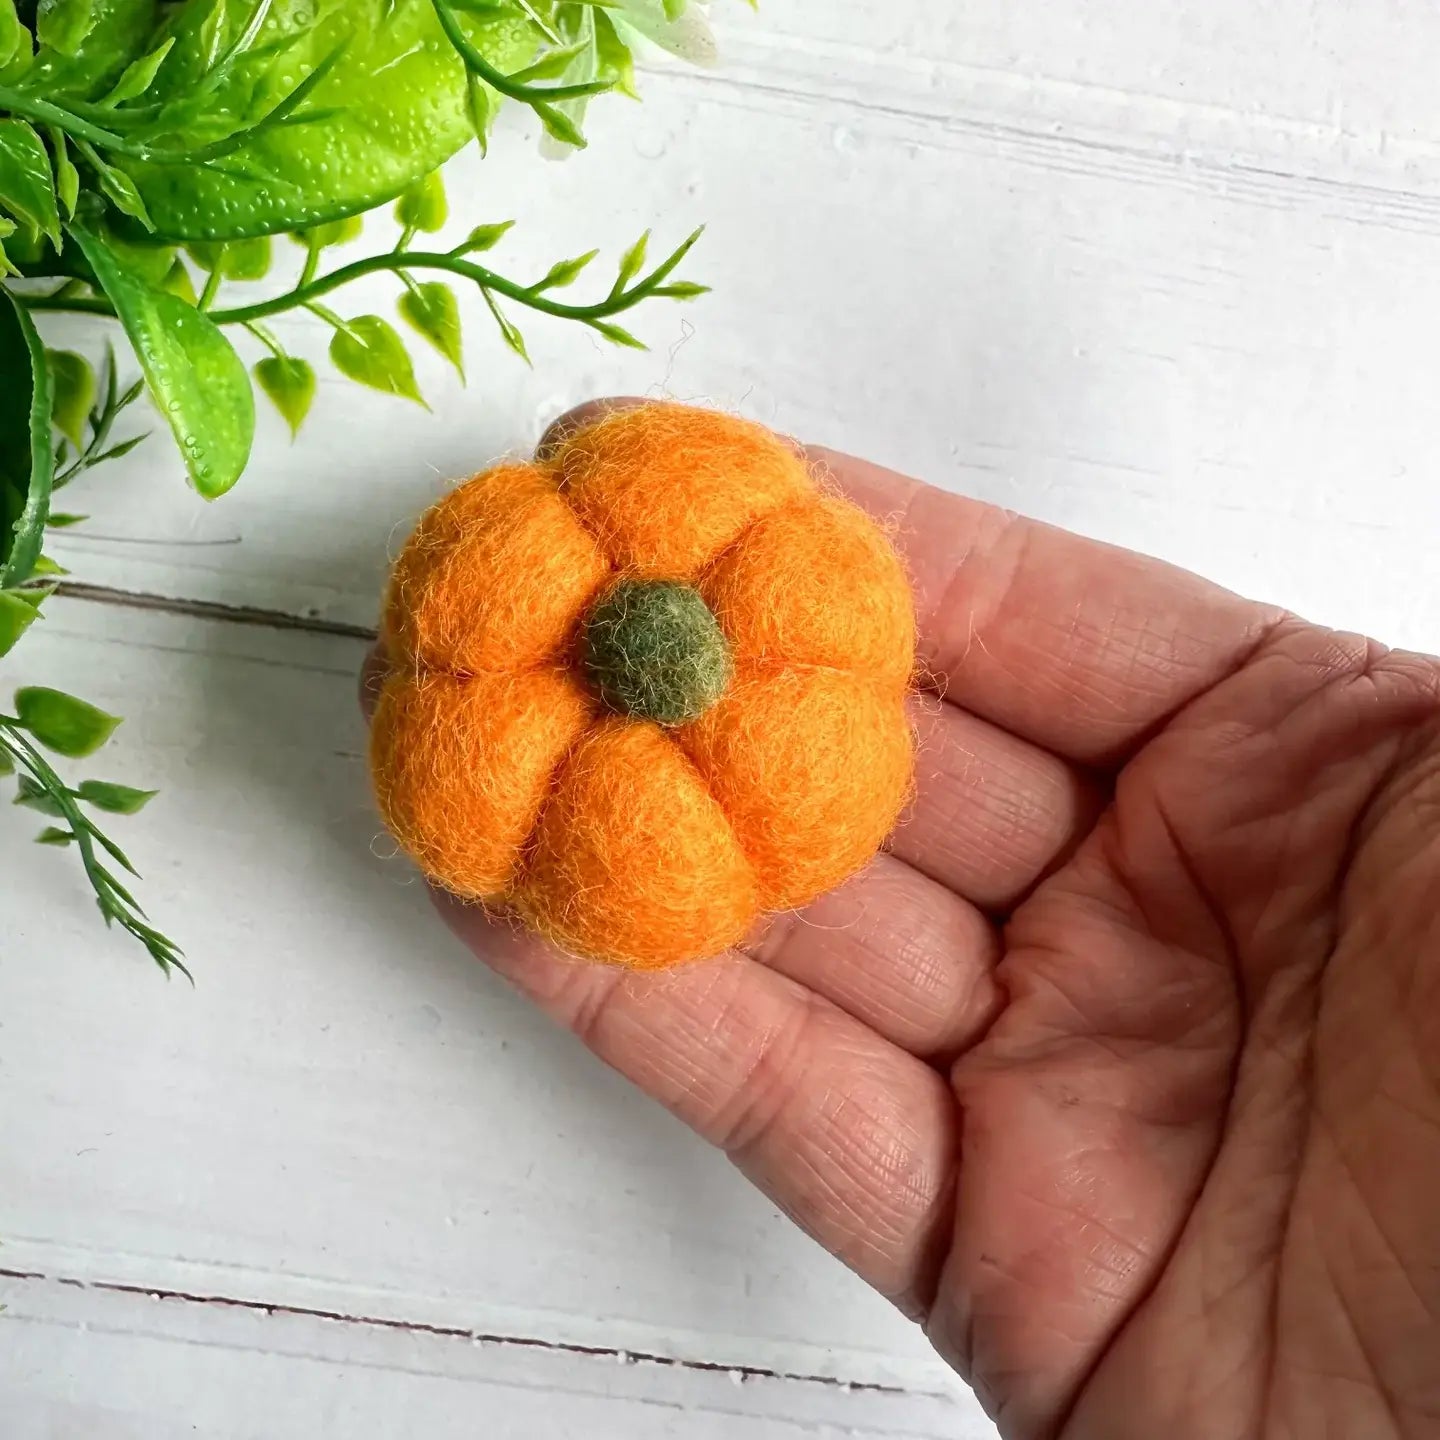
{"x":1167,"y":273}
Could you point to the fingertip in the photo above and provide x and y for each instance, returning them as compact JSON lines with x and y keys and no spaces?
{"x":372,"y":676}
{"x":562,"y":428}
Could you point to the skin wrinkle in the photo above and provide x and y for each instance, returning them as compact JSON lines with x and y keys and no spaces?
{"x":1378,"y":1384}
{"x":1357,"y":1183}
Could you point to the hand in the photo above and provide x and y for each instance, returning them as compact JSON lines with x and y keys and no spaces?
{"x":1120,"y":1071}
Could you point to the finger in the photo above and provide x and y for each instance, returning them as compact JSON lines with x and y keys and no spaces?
{"x":849,"y":1135}
{"x":1079,"y":647}
{"x":561,"y":429}
{"x":899,"y":953}
{"x":372,"y":678}
{"x":993,"y":814}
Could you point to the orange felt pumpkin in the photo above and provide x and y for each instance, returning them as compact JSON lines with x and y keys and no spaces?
{"x":646,"y":689}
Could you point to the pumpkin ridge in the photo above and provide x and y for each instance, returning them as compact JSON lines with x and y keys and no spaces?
{"x":521,"y":873}
{"x":769,"y":473}
{"x":808,"y":791}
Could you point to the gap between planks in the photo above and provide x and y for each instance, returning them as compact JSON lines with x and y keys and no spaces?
{"x":213,"y":610}
{"x":455,"y":1332}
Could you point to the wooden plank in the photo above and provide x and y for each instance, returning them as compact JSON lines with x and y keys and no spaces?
{"x":1174,"y":77}
{"x":346,"y":1114}
{"x":109,"y":1365}
{"x":1111,"y":269}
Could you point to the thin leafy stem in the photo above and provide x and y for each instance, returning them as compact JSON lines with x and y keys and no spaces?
{"x":281,"y":113}
{"x":456,"y":264}
{"x":312,"y":262}
{"x":102,"y":420}
{"x":305,"y":296}
{"x":266,"y":339}
{"x":34,"y":107}
{"x":497,"y":79}
{"x":323,"y":312}
{"x":116,"y":903}
{"x":212,"y":285}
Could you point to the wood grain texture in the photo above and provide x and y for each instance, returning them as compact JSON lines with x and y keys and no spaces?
{"x":1166,"y":275}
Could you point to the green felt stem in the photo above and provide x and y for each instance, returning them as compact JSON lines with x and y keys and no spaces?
{"x":654,"y":650}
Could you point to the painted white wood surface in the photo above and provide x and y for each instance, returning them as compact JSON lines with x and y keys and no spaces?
{"x":125,"y":1366}
{"x":1167,"y":274}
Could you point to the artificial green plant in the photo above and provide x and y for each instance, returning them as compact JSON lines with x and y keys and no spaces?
{"x":150,"y":151}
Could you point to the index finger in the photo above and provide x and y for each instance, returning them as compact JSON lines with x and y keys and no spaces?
{"x":1074,"y":645}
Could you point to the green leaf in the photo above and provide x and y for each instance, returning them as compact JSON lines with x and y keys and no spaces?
{"x":482,"y":104}
{"x":238,"y":260}
{"x":118,"y":188}
{"x":512,"y":337}
{"x":142,"y":255}
{"x":369,"y":350}
{"x":115,"y":799}
{"x":115,"y":452}
{"x":16,"y":617}
{"x":121,"y":859}
{"x":564,"y":273}
{"x":33,"y":595}
{"x":632,"y":262}
{"x":423,"y":205}
{"x":7,"y":764}
{"x":337,"y":232}
{"x":196,"y":378}
{"x":63,"y":24}
{"x":290,"y":384}
{"x":397,"y":101}
{"x":552,"y":65}
{"x":618,"y":335}
{"x":34,"y":796}
{"x":72,"y":393}
{"x":682,"y":290}
{"x":62,"y":723}
{"x":487,"y":237}
{"x":559,"y":126}
{"x":177,"y":282}
{"x":27,"y":456}
{"x":54,"y":836}
{"x":27,"y":189}
{"x":432,"y":310}
{"x":67,"y":177}
{"x":46,"y":566}
{"x":139,"y":74}
{"x":248,"y":259}
{"x":212,"y":33}
{"x":15,"y":39}
{"x":613,"y":58}
{"x":119,"y":30}
{"x":64,"y":522}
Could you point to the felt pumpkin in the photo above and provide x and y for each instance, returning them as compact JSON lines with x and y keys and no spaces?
{"x":646,"y":689}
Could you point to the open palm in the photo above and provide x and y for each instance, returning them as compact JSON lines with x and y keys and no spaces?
{"x":1120,"y":1071}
